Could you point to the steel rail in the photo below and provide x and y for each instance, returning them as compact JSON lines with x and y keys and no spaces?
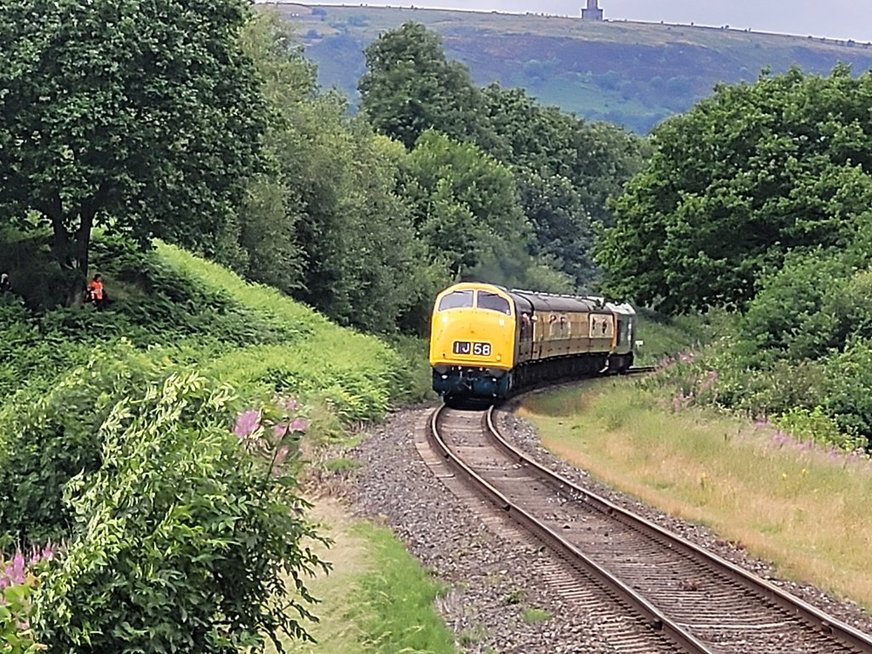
{"x":655,"y":618}
{"x":814,"y":617}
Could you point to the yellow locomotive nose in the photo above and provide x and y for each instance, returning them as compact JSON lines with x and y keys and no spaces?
{"x":472,"y":340}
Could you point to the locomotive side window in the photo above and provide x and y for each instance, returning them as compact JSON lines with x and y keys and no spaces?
{"x":494,"y":302}
{"x":456,"y":300}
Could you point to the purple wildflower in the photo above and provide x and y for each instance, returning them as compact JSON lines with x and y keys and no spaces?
{"x":299,"y":425}
{"x":16,"y":570}
{"x":780,"y":439}
{"x":247,"y":423}
{"x":281,"y":455}
{"x":286,"y":404}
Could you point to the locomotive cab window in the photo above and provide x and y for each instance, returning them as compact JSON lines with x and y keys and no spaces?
{"x":456,"y":300}
{"x":494,"y":302}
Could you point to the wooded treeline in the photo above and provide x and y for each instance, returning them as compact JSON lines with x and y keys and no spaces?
{"x":178,"y":126}
{"x":435,"y":180}
{"x":203,"y":124}
{"x":759,"y":201}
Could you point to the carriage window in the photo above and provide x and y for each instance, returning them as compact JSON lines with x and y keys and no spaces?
{"x":494,"y":302}
{"x":456,"y":300}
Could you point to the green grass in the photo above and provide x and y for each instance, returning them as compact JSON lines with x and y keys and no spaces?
{"x":534,"y":616}
{"x":353,"y":374}
{"x":414,"y":351}
{"x":803,"y":508}
{"x":398,"y":596}
{"x":341,"y":464}
{"x":665,"y":337}
{"x":203,"y":315}
{"x":256,"y":297}
{"x":378,"y":599}
{"x":472,"y":635}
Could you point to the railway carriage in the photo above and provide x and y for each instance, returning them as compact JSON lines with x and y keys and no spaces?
{"x":487,"y":341}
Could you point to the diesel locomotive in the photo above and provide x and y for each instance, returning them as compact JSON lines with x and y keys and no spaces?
{"x":487,"y":341}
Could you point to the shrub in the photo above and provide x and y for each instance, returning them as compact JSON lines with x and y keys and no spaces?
{"x":785,"y":320}
{"x":183,"y":540}
{"x":848,"y":396}
{"x":817,"y":427}
{"x":52,"y":437}
{"x":716,"y":376}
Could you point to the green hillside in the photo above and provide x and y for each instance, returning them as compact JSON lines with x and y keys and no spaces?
{"x":624,"y":72}
{"x":163,"y":433}
{"x":189,"y":310}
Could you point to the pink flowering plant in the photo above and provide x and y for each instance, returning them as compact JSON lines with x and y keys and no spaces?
{"x":812,"y":402}
{"x":273,"y":432}
{"x":19,"y":579}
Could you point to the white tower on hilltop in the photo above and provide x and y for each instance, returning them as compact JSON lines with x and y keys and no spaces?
{"x":592,"y":11}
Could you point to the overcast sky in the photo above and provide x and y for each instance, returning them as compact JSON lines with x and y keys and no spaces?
{"x":838,"y":19}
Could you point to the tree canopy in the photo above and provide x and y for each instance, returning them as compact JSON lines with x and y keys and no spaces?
{"x":564,"y":168}
{"x":142,"y":116}
{"x":463,"y":201}
{"x":410,"y":87}
{"x":752,"y":173}
{"x":325,"y":221}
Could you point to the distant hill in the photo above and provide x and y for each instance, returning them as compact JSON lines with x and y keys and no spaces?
{"x":630,"y":73}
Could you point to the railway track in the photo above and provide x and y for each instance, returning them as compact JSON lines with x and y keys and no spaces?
{"x":689,"y":599}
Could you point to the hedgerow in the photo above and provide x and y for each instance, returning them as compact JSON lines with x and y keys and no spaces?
{"x":52,"y":436}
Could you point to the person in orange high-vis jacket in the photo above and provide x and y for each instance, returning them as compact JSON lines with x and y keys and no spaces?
{"x":96,"y":293}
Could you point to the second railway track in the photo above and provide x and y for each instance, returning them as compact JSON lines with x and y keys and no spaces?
{"x":691,"y":600}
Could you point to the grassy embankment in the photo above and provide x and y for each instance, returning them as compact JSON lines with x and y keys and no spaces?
{"x":661,"y":337}
{"x":178,"y":308}
{"x":802,"y":508}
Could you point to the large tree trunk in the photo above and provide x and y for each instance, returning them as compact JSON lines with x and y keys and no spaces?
{"x":71,"y":253}
{"x":71,"y":250}
{"x":83,"y":240}
{"x":61,"y":248}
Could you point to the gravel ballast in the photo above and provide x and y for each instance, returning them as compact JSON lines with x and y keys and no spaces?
{"x":490,"y":597}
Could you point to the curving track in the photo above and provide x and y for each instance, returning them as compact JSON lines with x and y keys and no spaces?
{"x":687,"y":599}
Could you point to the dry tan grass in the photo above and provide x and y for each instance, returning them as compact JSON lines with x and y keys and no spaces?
{"x":804,"y":509}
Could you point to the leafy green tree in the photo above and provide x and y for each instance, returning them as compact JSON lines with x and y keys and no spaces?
{"x":266,"y":223}
{"x":357,"y":247}
{"x":745,"y":177}
{"x":559,"y":220}
{"x":145,"y":117}
{"x":410,"y":87}
{"x":565,"y":169}
{"x":464,"y":202}
{"x":323,"y":221}
{"x":596,"y":158}
{"x":819,"y":303}
{"x":360,"y":246}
